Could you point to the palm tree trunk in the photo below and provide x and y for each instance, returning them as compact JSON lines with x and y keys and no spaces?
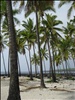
{"x":14,"y":91}
{"x":53,"y":61}
{"x":31,"y":77}
{"x":73,"y":61}
{"x":4,"y":63}
{"x":44,"y":67}
{"x":19,"y":65}
{"x":63,"y":67}
{"x":66,"y":68}
{"x":50,"y":60}
{"x":35,"y":62}
{"x":57,"y":69}
{"x":27,"y":63}
{"x":8,"y":65}
{"x":37,"y":33}
{"x":68,"y":64}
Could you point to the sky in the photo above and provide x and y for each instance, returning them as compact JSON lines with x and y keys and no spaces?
{"x":61,"y":15}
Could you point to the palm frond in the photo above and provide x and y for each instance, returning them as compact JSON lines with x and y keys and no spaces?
{"x":61,"y":3}
{"x":16,"y":20}
{"x":58,"y":29}
{"x":69,"y":12}
{"x":57,"y":22}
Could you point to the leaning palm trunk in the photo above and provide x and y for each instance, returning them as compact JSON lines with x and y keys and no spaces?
{"x":73,"y":61}
{"x":27,"y":64}
{"x":8,"y":65}
{"x":31,"y":77}
{"x":35,"y":62}
{"x":37,"y":33}
{"x":66,"y":68}
{"x":69,"y":69}
{"x":57,"y":69}
{"x":44,"y":67}
{"x":4,"y":63}
{"x":63,"y":67}
{"x":14,"y":91}
{"x":19,"y":65}
{"x":53,"y":61}
{"x":51,"y":68}
{"x":24,"y":53}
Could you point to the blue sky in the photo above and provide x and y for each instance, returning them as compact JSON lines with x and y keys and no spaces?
{"x":61,"y":15}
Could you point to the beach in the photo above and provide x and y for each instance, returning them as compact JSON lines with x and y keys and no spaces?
{"x":30,"y":90}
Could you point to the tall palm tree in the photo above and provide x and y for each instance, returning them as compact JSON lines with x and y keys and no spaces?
{"x":5,"y":23}
{"x":31,"y":30}
{"x":29,"y":37}
{"x":72,"y":7}
{"x":69,"y":32}
{"x":14,"y":91}
{"x":5,"y":30}
{"x":50,"y":35}
{"x":64,"y":46}
{"x":20,"y":46}
{"x":37,"y":33}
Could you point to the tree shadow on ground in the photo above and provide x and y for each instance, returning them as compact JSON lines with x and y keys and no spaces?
{"x":29,"y":88}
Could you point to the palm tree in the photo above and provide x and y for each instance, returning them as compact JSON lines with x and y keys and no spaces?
{"x":29,"y":37}
{"x":62,"y":2}
{"x":20,"y":46}
{"x":5,"y":23}
{"x":64,"y":48}
{"x":31,"y":29}
{"x":14,"y":91}
{"x":37,"y":33}
{"x":69,"y":32}
{"x":51,"y":35}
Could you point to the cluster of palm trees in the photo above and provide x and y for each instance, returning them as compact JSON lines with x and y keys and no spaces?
{"x":45,"y":35}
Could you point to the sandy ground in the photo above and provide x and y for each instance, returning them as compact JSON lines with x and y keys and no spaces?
{"x":30,"y":90}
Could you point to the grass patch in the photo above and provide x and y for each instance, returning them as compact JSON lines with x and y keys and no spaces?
{"x":71,"y":78}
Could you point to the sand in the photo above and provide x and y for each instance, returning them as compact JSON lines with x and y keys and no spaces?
{"x":30,"y":90}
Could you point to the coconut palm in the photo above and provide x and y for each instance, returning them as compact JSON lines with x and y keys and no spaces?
{"x":31,"y":29}
{"x":72,"y":7}
{"x":64,"y":45}
{"x":5,"y":23}
{"x":29,"y":36}
{"x":50,"y":35}
{"x":20,"y":46}
{"x":69,"y":32}
{"x":6,"y":32}
{"x":14,"y":92}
